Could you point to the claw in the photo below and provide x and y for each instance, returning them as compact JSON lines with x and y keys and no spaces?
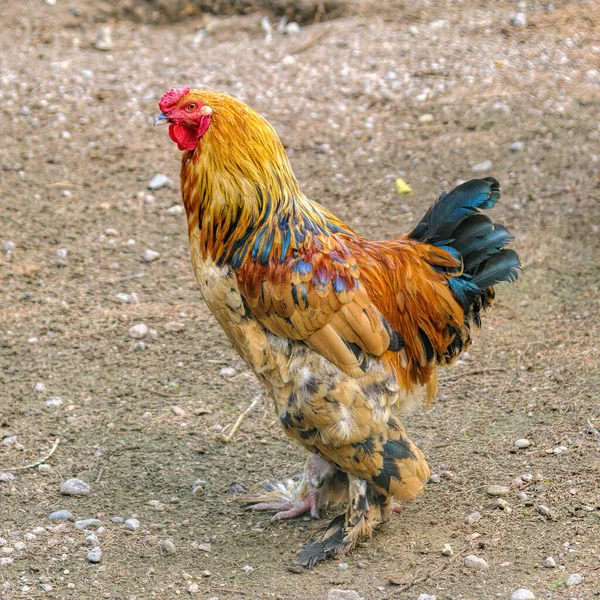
{"x":290,"y":509}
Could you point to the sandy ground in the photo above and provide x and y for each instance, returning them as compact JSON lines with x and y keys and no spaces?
{"x":424,"y":92}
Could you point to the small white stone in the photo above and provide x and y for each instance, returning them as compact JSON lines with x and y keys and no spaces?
{"x":247,"y":569}
{"x":475,"y":563}
{"x":574,"y":579}
{"x":426,"y":118}
{"x":543,"y":510}
{"x":138,"y":331}
{"x":498,"y":490}
{"x":104,"y":39}
{"x":427,"y":597}
{"x":62,"y":253}
{"x":54,"y":402}
{"x":6,"y":477}
{"x":519,"y":20}
{"x":447,"y":550}
{"x":291,"y":28}
{"x":522,"y":443}
{"x":6,"y":560}
{"x":527,"y":477}
{"x":87,"y":523}
{"x":158,"y":181}
{"x":46,"y":587}
{"x":178,"y":411}
{"x":95,"y":555}
{"x":168,"y":547}
{"x":549,"y":563}
{"x":132,"y":524}
{"x":227,"y":372}
{"x":61,"y":515}
{"x":75,"y":487}
{"x":482,"y":167}
{"x":10,"y":440}
{"x":522,"y":594}
{"x":516,"y":146}
{"x":288,"y":60}
{"x":174,"y":326}
{"x":139,"y":346}
{"x":9,"y":246}
{"x":473,"y":518}
{"x":193,"y":588}
{"x":32,"y":340}
{"x":92,"y":540}
{"x":132,"y":298}
{"x":176,"y":209}
{"x":39,"y":387}
{"x":503,"y":504}
{"x":342,"y":595}
{"x":342,"y":566}
{"x":150,"y":255}
{"x":435,"y":478}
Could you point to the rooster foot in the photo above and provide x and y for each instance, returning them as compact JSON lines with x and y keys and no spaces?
{"x":291,"y":499}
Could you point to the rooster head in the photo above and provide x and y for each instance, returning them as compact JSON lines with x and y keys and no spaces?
{"x":188,"y":116}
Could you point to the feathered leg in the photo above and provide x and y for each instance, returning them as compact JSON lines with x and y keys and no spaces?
{"x":365,"y":511}
{"x":320,"y":483}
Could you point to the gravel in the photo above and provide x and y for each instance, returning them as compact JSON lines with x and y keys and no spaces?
{"x":574,"y":579}
{"x":543,"y":510}
{"x":9,"y":246}
{"x":523,"y":442}
{"x":150,"y":255}
{"x":158,"y":181}
{"x":517,"y":147}
{"x":498,"y":490}
{"x":549,"y":563}
{"x":104,"y":40}
{"x":6,"y":477}
{"x":174,"y":326}
{"x":54,"y":402}
{"x":227,"y":372}
{"x":95,"y":555}
{"x":522,"y":594}
{"x":473,"y":518}
{"x":132,"y":298}
{"x":168,"y":547}
{"x":337,"y":594}
{"x":176,"y":209}
{"x":87,"y":523}
{"x":75,"y":487}
{"x":132,"y":524}
{"x":476,"y":563}
{"x":447,"y":550}
{"x":138,"y":331}
{"x":519,"y":20}
{"x":61,"y":515}
{"x":482,"y":167}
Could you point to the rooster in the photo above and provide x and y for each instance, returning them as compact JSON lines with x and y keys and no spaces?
{"x":342,"y":331}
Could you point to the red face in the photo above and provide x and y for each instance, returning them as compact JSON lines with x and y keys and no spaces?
{"x":188,"y":117}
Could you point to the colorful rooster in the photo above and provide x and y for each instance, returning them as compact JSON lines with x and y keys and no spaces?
{"x":341,"y":330}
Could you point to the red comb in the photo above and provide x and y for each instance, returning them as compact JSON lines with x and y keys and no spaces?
{"x":171,"y":98}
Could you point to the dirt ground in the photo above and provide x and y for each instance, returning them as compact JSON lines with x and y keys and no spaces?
{"x":419,"y":90}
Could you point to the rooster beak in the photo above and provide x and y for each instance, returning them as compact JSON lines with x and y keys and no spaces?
{"x":162,"y":118}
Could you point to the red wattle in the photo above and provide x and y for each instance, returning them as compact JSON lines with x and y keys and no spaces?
{"x":185,"y":136}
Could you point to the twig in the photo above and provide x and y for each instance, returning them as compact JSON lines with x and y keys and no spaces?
{"x":593,"y":429}
{"x":100,"y":475}
{"x":39,"y":462}
{"x":310,"y":42}
{"x":474,"y":372}
{"x":227,"y":438}
{"x":128,"y":277}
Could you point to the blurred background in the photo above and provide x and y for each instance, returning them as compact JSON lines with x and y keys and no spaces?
{"x":93,"y":243}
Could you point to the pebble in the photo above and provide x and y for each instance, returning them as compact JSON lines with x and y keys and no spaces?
{"x":54,"y":402}
{"x":158,"y":181}
{"x":39,"y":387}
{"x":168,"y":547}
{"x":178,"y":411}
{"x":46,"y":587}
{"x":11,"y":440}
{"x":498,"y":490}
{"x":75,"y":487}
{"x":519,"y":20}
{"x":522,"y":594}
{"x":132,"y":524}
{"x":473,"y":518}
{"x":116,"y":519}
{"x":476,"y":563}
{"x":193,"y":588}
{"x":291,"y":28}
{"x":504,"y":505}
{"x":62,"y":253}
{"x":174,"y":326}
{"x":522,"y":443}
{"x":206,"y":547}
{"x":426,"y":118}
{"x":516,"y":146}
{"x":9,"y":246}
{"x":95,"y":555}
{"x":6,"y":477}
{"x":574,"y":579}
{"x":132,"y":298}
{"x":104,"y":40}
{"x":92,"y":540}
{"x":543,"y":510}
{"x":482,"y":167}
{"x":6,"y":560}
{"x":447,"y":550}
{"x":138,"y":331}
{"x":87,"y":523}
{"x":342,"y":566}
{"x":336,"y":594}
{"x":227,"y":372}
{"x":176,"y":209}
{"x":247,"y":569}
{"x":61,"y":515}
{"x":435,"y":478}
{"x":549,"y":563}
{"x":288,"y":60}
{"x":44,"y":468}
{"x":527,"y":477}
{"x":150,"y":255}
{"x":139,"y":346}
{"x":427,"y":597}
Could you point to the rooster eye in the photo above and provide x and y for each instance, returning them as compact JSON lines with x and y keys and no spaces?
{"x":191,"y":106}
